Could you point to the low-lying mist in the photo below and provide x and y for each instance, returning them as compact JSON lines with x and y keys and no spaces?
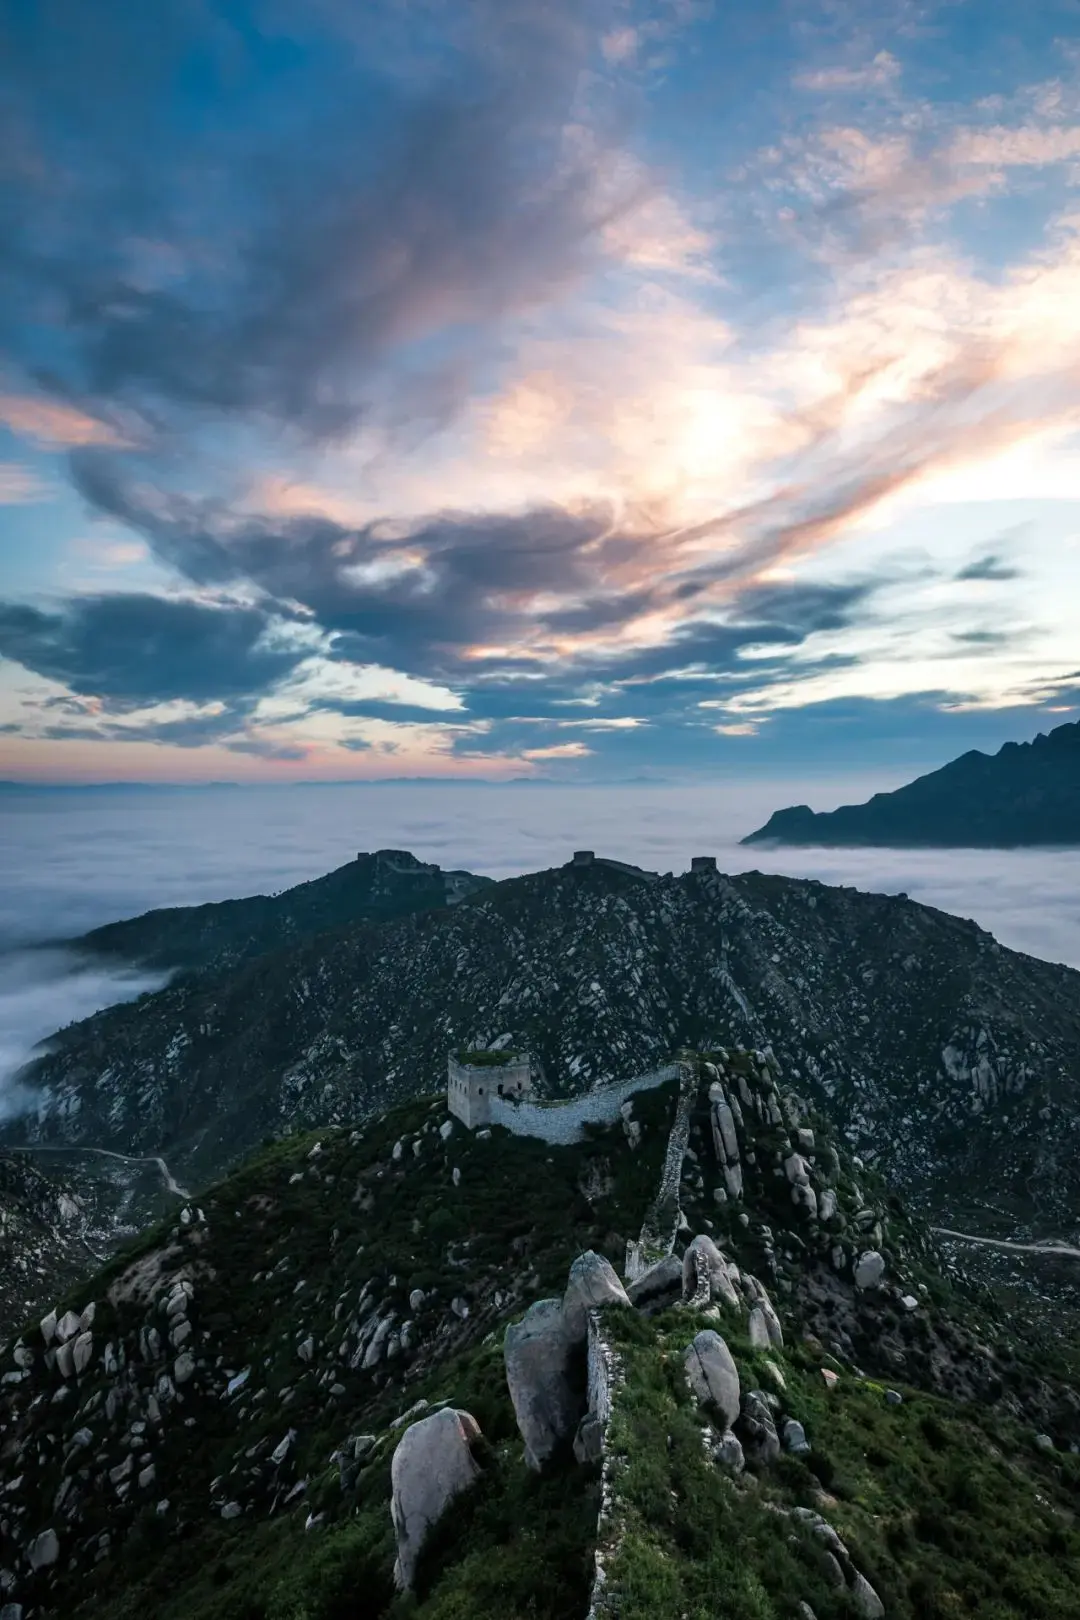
{"x":40,"y":991}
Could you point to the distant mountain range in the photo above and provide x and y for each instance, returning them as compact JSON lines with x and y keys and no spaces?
{"x":1025,"y":794}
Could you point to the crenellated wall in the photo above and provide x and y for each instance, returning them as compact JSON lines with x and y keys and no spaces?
{"x":563,"y":1121}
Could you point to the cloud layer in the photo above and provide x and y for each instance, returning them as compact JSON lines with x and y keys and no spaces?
{"x":473,"y":412}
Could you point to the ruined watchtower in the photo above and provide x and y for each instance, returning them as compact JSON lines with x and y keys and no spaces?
{"x":473,"y":1078}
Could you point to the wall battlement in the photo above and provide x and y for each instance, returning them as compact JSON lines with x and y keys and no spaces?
{"x":492,"y":1095}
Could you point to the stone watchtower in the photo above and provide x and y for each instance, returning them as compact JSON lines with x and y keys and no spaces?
{"x":473,"y":1078}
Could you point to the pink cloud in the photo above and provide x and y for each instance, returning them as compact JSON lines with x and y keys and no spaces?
{"x":50,"y":423}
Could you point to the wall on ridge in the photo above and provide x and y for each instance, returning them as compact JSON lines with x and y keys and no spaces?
{"x":563,"y":1122}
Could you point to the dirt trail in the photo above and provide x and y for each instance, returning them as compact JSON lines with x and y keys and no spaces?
{"x":168,"y":1180}
{"x":1047,"y":1247}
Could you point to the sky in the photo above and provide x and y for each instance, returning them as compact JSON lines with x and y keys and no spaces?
{"x":573,"y":389}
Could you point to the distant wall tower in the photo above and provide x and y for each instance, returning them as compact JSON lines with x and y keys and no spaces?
{"x":471,"y":1086}
{"x":703,"y":863}
{"x":583,"y":857}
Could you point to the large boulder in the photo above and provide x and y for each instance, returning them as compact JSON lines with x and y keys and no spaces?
{"x":869,"y":1269}
{"x":757,"y":1428}
{"x":592,"y":1283}
{"x":757,"y":1330}
{"x":659,"y":1286}
{"x":704,"y":1259}
{"x":44,"y":1550}
{"x":759,"y":1297}
{"x":540,"y":1373}
{"x":432,"y":1464}
{"x":712,"y":1374}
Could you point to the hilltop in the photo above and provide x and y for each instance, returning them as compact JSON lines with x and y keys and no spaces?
{"x":367,"y":1348}
{"x":225,"y":934}
{"x":913,"y":1028}
{"x":1025,"y":794}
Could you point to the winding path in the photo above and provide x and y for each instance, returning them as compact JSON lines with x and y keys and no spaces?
{"x":1004,"y":1243}
{"x":168,"y":1180}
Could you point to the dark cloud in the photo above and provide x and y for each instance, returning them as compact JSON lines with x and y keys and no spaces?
{"x":423,"y":600}
{"x":361,"y":218}
{"x":989,"y":566}
{"x":132,"y":651}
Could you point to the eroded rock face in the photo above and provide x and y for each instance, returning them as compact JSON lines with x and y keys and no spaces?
{"x":540,"y":1373}
{"x":660,"y":1285}
{"x":713,"y":1375}
{"x":593,"y":1282}
{"x":432,"y":1464}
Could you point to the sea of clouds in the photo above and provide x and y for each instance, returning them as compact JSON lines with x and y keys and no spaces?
{"x":70,"y":861}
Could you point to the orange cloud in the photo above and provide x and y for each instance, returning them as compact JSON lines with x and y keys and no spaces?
{"x":49,"y":423}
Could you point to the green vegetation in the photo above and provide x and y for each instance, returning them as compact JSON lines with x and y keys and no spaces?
{"x":482,"y":1057}
{"x":948,"y":1510}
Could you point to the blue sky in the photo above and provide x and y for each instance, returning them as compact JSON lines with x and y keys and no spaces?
{"x":496,"y":388}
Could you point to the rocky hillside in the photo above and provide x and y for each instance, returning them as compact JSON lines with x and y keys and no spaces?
{"x":930,"y":1044}
{"x":373,"y":888}
{"x":1026,"y":793}
{"x":395,"y":1371}
{"x":50,"y":1230}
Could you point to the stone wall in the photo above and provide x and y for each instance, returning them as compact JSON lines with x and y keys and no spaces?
{"x":606,"y":1382}
{"x":471,"y":1088}
{"x":660,"y":1227}
{"x":563,"y":1122}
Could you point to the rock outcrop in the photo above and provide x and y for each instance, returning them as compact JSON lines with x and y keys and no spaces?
{"x":545,"y":1385}
{"x":432,"y":1464}
{"x":712,"y":1374}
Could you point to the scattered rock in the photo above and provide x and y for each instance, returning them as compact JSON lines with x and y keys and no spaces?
{"x":44,"y":1550}
{"x":795,"y":1439}
{"x":758,"y":1330}
{"x":728,"y":1453}
{"x":761,"y":1443}
{"x":869,"y":1269}
{"x":589,"y":1439}
{"x":864,"y":1599}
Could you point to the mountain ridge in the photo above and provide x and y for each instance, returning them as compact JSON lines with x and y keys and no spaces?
{"x":804,"y":1406}
{"x":910,"y":1025}
{"x":1025,"y":795}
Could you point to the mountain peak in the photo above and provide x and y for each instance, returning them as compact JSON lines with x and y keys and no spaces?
{"x":1026,"y":794}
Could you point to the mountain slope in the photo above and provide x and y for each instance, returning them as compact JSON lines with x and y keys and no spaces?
{"x":373,"y":888}
{"x":1025,"y":794}
{"x":204,"y":1431}
{"x":914,"y":1027}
